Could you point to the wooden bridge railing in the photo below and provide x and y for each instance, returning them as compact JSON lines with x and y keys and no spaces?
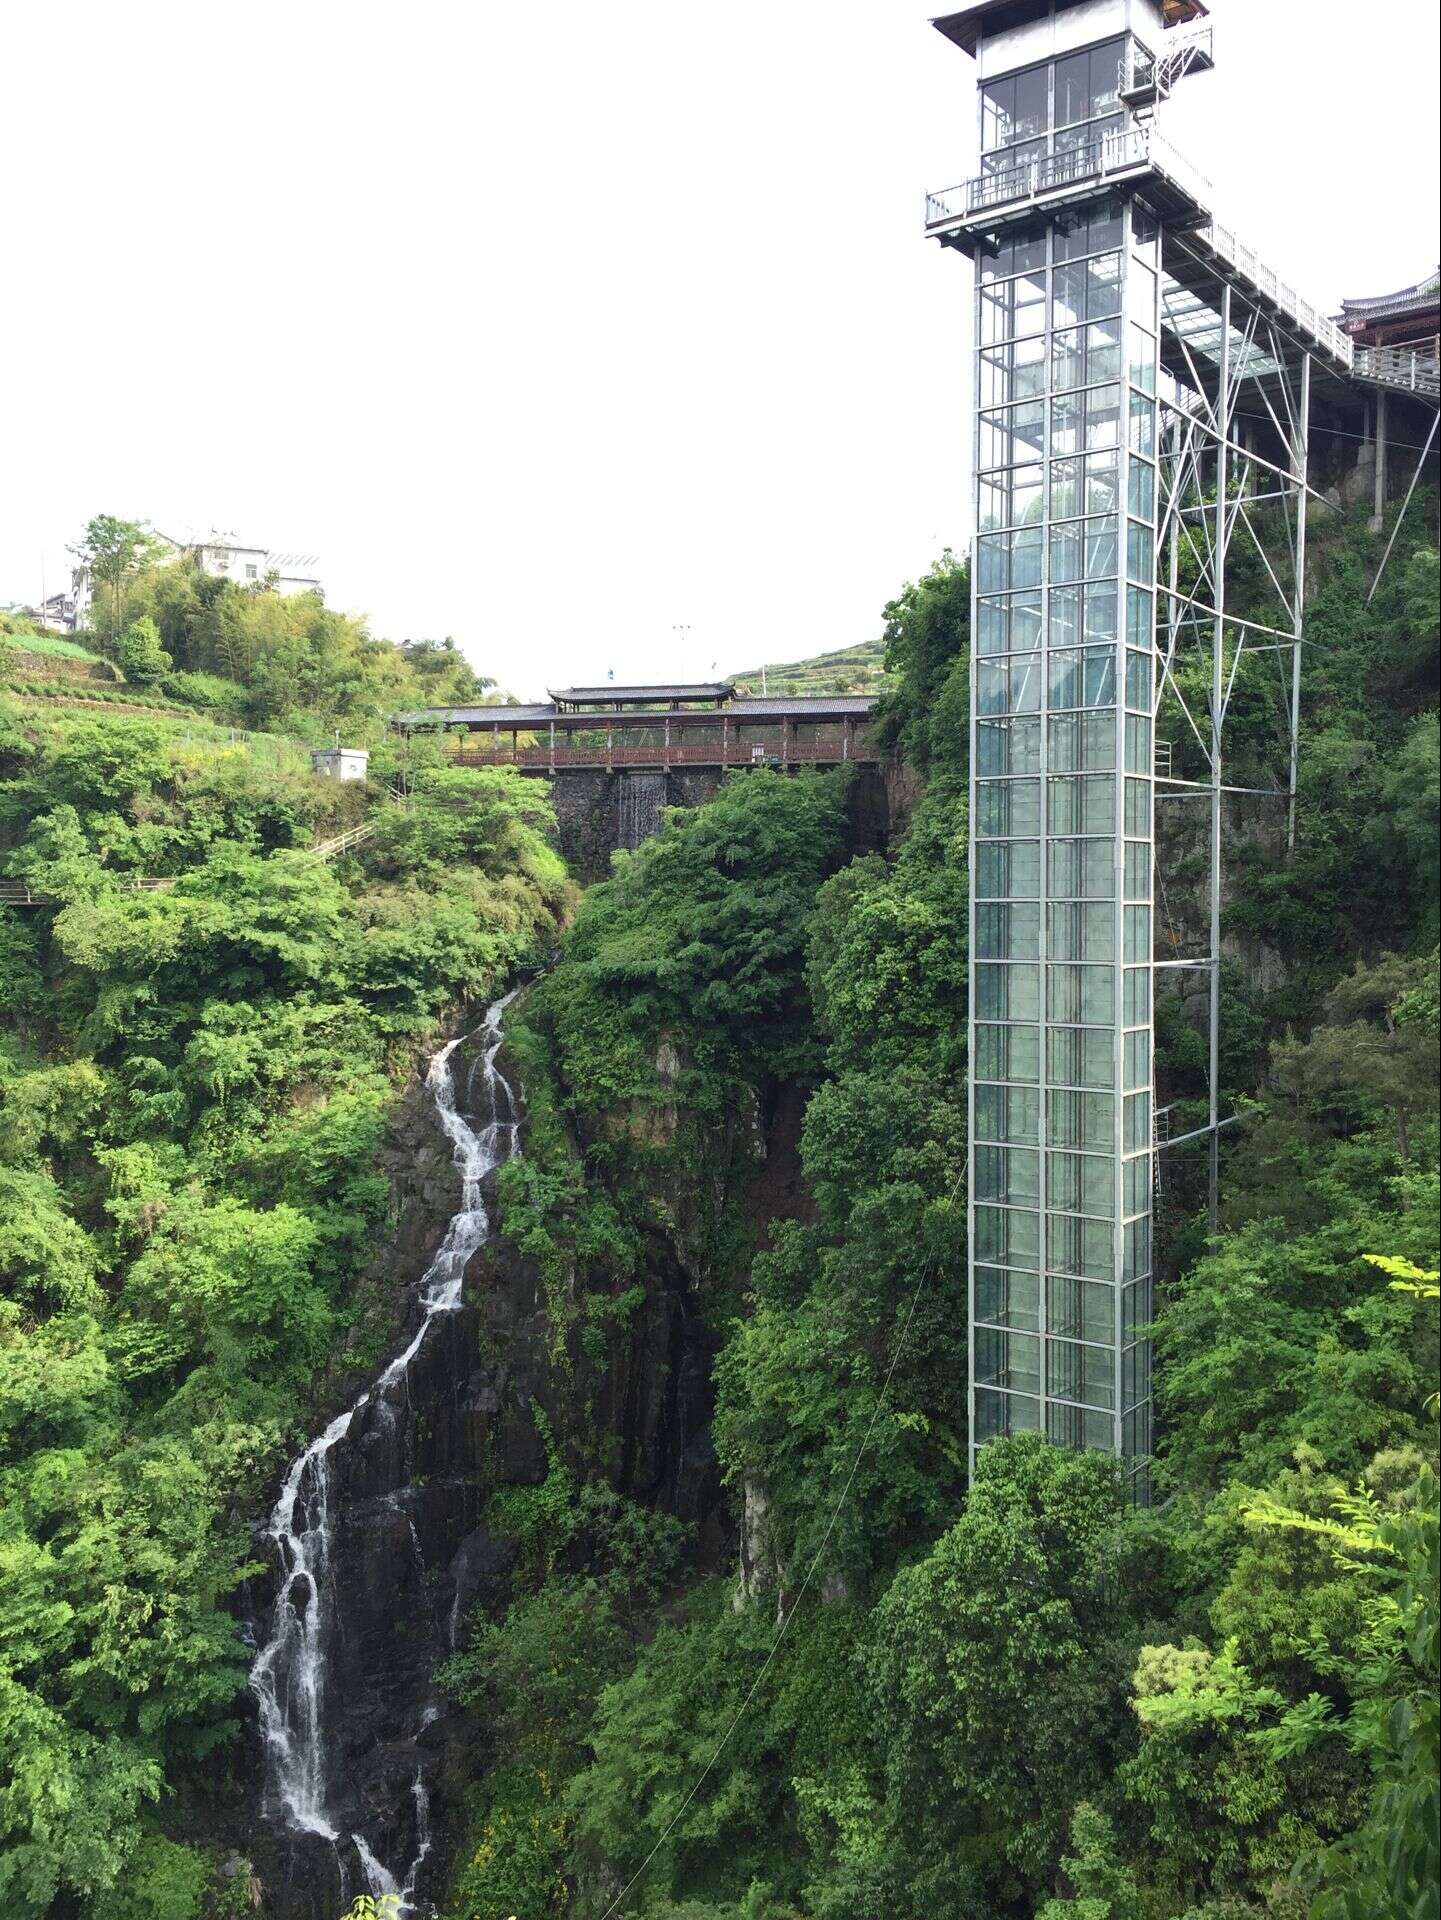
{"x":544,"y":759}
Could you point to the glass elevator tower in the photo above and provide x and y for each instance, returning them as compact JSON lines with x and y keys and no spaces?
{"x":1065,"y":366}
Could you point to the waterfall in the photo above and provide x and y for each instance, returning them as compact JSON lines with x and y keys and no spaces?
{"x":641,"y":797}
{"x":288,"y":1677}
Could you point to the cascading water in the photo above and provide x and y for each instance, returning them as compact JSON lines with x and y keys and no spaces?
{"x":641,"y":797}
{"x":289,"y":1674}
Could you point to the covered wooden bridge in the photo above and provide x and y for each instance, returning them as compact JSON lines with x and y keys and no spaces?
{"x":657,"y":728}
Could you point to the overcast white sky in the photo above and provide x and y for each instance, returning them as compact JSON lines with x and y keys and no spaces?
{"x":599,"y":336}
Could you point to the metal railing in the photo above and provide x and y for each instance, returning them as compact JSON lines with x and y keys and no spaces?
{"x":341,"y":843}
{"x":1126,"y":152}
{"x":1041,"y":173}
{"x":19,"y":893}
{"x":1417,"y":369}
{"x":1224,"y":244}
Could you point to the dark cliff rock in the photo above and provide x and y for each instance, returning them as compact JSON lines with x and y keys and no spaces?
{"x":411,"y":1485}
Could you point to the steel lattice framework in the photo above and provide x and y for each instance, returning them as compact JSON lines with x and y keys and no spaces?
{"x":1144,"y":395}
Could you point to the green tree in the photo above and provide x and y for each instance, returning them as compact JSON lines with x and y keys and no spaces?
{"x":114,"y":550}
{"x":140,"y":654}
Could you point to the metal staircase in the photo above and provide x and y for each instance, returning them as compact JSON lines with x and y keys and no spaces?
{"x":1149,"y":78}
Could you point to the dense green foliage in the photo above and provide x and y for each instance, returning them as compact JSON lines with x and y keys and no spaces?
{"x":193,"y":1082}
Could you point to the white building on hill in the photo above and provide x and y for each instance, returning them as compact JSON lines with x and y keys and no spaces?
{"x":222,"y":555}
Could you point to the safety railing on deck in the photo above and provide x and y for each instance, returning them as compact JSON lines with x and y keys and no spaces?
{"x":1417,"y":369}
{"x":1115,"y":153}
{"x":1249,"y":263}
{"x":1122,"y":153}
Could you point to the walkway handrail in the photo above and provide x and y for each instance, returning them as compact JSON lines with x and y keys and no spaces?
{"x":341,"y":842}
{"x":1417,"y":368}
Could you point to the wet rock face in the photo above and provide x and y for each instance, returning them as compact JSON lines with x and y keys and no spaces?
{"x":410,"y":1553}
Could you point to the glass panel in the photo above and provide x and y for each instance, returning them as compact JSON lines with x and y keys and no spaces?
{"x":1079,"y":1427}
{"x":1007,"y":993}
{"x":1140,"y":551}
{"x":1085,"y":1120}
{"x":1138,"y":617}
{"x":1137,"y":1307}
{"x":1084,"y":804}
{"x":1137,"y":1063}
{"x":1137,"y":1000}
{"x":1067,"y":549}
{"x":1080,"y":1056}
{"x":998,"y":113}
{"x":1103,"y":286}
{"x":1103,"y":413}
{"x":1085,"y":1247}
{"x":1011,"y":435}
{"x":1137,"y":922}
{"x":1140,"y":488}
{"x":1103,"y":351}
{"x":1082,"y":869}
{"x":1008,"y":1053}
{"x":1068,"y":361}
{"x":1078,"y":932}
{"x":1007,"y":806}
{"x":1138,"y":680}
{"x":1081,"y":1309}
{"x":1008,"y":870}
{"x":1081,"y":1373}
{"x":1081,"y":1182}
{"x":1009,"y":746}
{"x":1100,"y":548}
{"x":998,"y":1414}
{"x":1008,"y":932}
{"x":1101,"y":483}
{"x":1067,"y":415}
{"x":1083,"y":677}
{"x":1032,"y":102}
{"x":1005,"y":686}
{"x":1136,"y":1431}
{"x":1142,"y":358}
{"x":1073,"y":88}
{"x":1138,"y":744}
{"x":1065,"y":488}
{"x":1136,"y":1248}
{"x":1138,"y":806}
{"x":1081,"y":995}
{"x":1136,"y":1181}
{"x":1007,"y":1237}
{"x":1008,"y":1299}
{"x":1136,"y":1122}
{"x":1082,"y":742}
{"x":1008,"y":1113}
{"x":1138,"y":870}
{"x":1012,"y":1174}
{"x":1143,"y":424}
{"x":1063,"y":616}
{"x":1136,"y":1373}
{"x":1101,"y":613}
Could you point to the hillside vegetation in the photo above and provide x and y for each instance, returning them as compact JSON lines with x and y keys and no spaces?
{"x":193,"y":1085}
{"x":859,"y":669}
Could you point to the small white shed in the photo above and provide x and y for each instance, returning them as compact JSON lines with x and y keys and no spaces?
{"x":340,"y":763}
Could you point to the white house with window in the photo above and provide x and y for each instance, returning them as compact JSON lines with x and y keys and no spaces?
{"x":222,"y":555}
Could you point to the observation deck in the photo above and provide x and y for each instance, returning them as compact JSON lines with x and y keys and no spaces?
{"x":1197,"y":253}
{"x":1138,"y":159}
